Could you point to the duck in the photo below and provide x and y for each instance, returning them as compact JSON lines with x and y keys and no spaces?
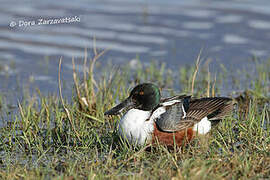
{"x":176,"y":120}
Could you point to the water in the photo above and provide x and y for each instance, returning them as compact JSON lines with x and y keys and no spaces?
{"x":229,"y":32}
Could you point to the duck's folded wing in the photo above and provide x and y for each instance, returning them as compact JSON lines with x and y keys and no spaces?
{"x":185,"y":114}
{"x":212,"y":108}
{"x":173,"y":114}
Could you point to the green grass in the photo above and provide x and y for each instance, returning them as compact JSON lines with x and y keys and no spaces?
{"x":53,"y":138}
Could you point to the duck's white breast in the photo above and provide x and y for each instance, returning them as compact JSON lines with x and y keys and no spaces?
{"x":134,"y":127}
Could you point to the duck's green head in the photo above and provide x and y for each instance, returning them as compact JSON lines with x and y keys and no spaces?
{"x":144,"y":96}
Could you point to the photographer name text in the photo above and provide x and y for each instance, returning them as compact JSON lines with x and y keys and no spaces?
{"x":43,"y":21}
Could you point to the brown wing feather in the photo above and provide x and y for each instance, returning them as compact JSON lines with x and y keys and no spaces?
{"x":200,"y":108}
{"x":218,"y":107}
{"x":186,"y":123}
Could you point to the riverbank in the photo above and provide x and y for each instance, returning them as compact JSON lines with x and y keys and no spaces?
{"x":52,"y":137}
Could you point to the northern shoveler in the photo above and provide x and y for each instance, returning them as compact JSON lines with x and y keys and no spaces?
{"x":172,"y":120}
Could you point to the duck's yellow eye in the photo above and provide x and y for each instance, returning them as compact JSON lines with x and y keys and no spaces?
{"x":141,"y":93}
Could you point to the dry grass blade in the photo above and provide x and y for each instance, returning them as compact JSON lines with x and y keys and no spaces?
{"x":196,"y":71}
{"x":86,"y":89}
{"x":213,"y":86}
{"x":20,"y":108}
{"x":21,"y":112}
{"x":95,"y":49}
{"x":62,"y":100}
{"x":76,"y":84}
{"x":208,"y":78}
{"x":112,"y":76}
{"x":75,"y":79}
{"x":89,"y":97}
{"x":97,"y":55}
{"x":93,"y":62}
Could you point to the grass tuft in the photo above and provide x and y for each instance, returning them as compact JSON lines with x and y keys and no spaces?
{"x":52,"y":138}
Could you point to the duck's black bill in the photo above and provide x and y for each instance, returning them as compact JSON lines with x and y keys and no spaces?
{"x":126,"y":104}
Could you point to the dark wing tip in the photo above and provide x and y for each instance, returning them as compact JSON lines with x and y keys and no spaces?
{"x":215,"y":107}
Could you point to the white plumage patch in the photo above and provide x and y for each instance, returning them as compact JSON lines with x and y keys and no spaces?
{"x":157,"y":113}
{"x":184,"y":112}
{"x":168,"y":103}
{"x":134,"y":127}
{"x":202,"y":127}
